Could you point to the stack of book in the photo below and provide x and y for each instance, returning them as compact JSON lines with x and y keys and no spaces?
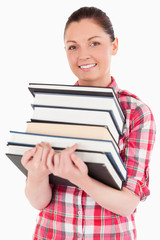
{"x":64,"y":115}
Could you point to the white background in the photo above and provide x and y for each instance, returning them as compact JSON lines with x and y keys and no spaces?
{"x":32,"y":50}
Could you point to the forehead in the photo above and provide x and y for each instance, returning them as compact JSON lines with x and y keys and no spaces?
{"x":84,"y":29}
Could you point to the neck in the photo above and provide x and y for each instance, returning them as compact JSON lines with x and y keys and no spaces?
{"x":95,"y":83}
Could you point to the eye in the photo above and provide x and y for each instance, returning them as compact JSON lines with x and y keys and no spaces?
{"x":93,"y":44}
{"x":72,"y":47}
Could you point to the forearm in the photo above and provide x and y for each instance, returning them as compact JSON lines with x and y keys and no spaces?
{"x":38,"y":191}
{"x":121,"y":202}
{"x":68,"y":165}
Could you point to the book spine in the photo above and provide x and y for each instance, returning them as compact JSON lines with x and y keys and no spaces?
{"x":114,"y":164}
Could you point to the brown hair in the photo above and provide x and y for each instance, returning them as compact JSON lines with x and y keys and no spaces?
{"x":92,"y":13}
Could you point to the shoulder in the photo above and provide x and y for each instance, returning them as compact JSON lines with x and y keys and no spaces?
{"x":134,"y":108}
{"x":128,"y":99}
{"x":130,"y":102}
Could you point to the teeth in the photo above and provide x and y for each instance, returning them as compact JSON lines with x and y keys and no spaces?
{"x":88,"y":66}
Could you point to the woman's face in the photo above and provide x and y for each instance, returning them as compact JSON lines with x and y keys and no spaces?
{"x":89,"y":50}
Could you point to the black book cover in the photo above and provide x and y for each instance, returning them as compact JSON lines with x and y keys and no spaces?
{"x":96,"y":170}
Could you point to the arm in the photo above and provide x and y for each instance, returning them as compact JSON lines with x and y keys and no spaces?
{"x":122,"y":202}
{"x":68,"y":165}
{"x":38,"y":190}
{"x":136,"y":148}
{"x":137,"y":145}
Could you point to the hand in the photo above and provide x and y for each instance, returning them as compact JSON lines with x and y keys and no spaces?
{"x":36,"y":159}
{"x":68,"y":165}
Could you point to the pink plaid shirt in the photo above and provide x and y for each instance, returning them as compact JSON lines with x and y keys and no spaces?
{"x":73,"y":215}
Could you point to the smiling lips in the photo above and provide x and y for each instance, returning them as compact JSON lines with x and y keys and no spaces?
{"x":87,"y":67}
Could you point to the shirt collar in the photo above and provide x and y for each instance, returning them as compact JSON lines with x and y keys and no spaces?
{"x":113,"y":85}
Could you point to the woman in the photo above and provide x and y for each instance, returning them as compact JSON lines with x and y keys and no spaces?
{"x":91,"y":210}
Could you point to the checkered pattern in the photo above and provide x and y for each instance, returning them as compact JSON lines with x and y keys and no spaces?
{"x":73,"y":215}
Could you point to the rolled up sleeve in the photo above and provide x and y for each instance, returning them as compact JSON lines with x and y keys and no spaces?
{"x":137,"y":147}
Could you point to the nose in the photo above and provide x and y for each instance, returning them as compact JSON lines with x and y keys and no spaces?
{"x":84,"y":54}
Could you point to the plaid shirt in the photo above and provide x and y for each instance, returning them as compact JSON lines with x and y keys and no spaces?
{"x":73,"y":215}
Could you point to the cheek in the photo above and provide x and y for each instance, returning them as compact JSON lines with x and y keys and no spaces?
{"x":71,"y":59}
{"x":105,"y":57}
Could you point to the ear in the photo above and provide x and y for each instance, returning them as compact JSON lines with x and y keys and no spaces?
{"x":115,"y":46}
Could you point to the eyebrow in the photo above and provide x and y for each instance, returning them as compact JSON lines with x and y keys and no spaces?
{"x":72,"y":41}
{"x":93,"y":37}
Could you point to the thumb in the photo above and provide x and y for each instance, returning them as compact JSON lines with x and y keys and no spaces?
{"x":72,"y":149}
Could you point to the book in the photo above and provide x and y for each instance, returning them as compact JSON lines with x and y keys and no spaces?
{"x":61,"y":88}
{"x":99,"y":167}
{"x":76,"y":116}
{"x":58,"y":142}
{"x":78,"y":90}
{"x":80,"y":102}
{"x":71,"y":130}
{"x":64,"y":115}
{"x":79,"y":97}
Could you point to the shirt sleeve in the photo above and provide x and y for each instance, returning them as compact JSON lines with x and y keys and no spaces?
{"x":136,"y":151}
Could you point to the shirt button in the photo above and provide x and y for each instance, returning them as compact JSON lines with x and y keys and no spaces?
{"x":79,"y":212}
{"x":79,"y":235}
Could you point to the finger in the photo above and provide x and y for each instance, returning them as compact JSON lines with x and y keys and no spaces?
{"x":27,"y":156}
{"x":48,"y":145}
{"x":72,"y":149}
{"x":79,"y":163}
{"x":38,"y":145}
{"x":57,"y":160}
{"x":46,"y":149}
{"x":65,"y":156}
{"x":38,"y":154}
{"x":54,"y":165}
{"x":50,"y":160}
{"x":44,"y":144}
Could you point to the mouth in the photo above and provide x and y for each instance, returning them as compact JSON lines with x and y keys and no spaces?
{"x":87,"y":66}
